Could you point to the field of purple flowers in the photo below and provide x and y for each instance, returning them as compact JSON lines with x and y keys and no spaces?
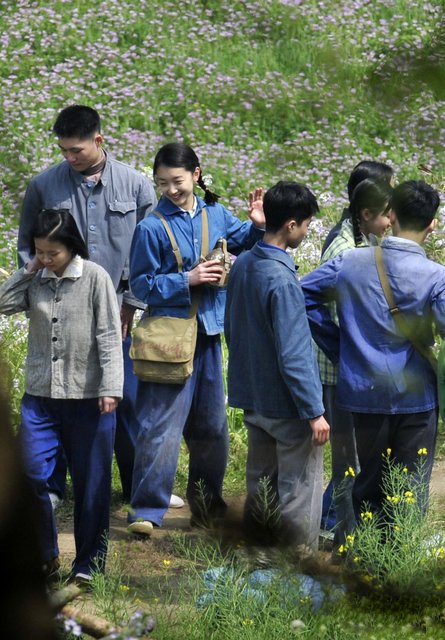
{"x":263,"y":90}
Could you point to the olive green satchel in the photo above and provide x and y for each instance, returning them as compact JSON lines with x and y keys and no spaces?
{"x":163,"y":347}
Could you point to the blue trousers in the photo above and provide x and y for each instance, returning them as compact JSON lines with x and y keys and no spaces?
{"x":87,"y":438}
{"x":166,"y":412}
{"x":127,"y":427}
{"x":404,"y":435}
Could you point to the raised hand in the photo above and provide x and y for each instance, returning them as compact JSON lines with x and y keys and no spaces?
{"x":256,"y":213}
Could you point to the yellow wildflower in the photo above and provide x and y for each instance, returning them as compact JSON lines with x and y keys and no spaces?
{"x":422,"y":452}
{"x":366,"y":515}
{"x":349,"y":539}
{"x":124,"y":588}
{"x":342,"y":548}
{"x":405,"y":469}
{"x":167,"y":563}
{"x":350,"y":471}
{"x":247,"y":622}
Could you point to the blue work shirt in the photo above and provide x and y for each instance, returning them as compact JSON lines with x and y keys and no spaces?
{"x":154,"y":276}
{"x":106,"y":212}
{"x":272,"y":367}
{"x":380,"y":371}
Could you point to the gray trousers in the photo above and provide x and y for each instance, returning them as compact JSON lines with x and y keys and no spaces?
{"x":282,"y":457}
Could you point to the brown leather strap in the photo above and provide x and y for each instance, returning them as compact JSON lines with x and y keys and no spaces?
{"x":400,"y":320}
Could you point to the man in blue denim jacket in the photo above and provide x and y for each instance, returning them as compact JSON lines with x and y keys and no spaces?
{"x":273,"y":375}
{"x":107,"y":198}
{"x":387,"y":384}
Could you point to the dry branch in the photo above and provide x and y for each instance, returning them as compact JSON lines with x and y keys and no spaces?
{"x":58,"y":599}
{"x":92,"y":625}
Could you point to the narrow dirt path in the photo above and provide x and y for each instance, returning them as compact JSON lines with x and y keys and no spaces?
{"x":179,"y":519}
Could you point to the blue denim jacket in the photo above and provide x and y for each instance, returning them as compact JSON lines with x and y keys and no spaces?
{"x":154,"y":276}
{"x":380,"y":371}
{"x":272,"y":366}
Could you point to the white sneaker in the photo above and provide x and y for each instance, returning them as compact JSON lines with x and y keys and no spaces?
{"x":176,"y":502}
{"x":56,"y":500}
{"x":141,"y":527}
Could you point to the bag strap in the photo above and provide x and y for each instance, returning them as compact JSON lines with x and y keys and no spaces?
{"x":204,"y":232}
{"x":399,"y":318}
{"x":172,"y":239}
{"x":196,"y":295}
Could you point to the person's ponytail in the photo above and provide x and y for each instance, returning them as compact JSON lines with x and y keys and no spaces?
{"x":209,"y":196}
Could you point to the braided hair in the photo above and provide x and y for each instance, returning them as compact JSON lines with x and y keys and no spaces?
{"x":181,"y":155}
{"x":368,"y":194}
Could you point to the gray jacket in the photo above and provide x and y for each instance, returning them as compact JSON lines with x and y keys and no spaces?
{"x":74,"y":341}
{"x":106,"y":212}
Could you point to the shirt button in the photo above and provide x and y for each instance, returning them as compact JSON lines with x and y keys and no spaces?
{"x":54,"y":320}
{"x":92,"y":227}
{"x":92,"y":205}
{"x":55,"y":358}
{"x":54,"y":339}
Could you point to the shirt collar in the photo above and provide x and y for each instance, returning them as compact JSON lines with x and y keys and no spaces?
{"x":396,"y":242}
{"x":192,"y":213}
{"x":167,"y":208}
{"x":79,"y":178}
{"x":73,"y":270}
{"x":274,"y":253}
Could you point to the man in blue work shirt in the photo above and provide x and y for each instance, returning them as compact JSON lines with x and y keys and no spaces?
{"x":383,"y":379}
{"x":107,"y":198}
{"x":273,"y":375}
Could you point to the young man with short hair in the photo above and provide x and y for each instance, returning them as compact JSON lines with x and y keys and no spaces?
{"x":383,"y":378}
{"x":272,"y":372}
{"x":107,"y":198}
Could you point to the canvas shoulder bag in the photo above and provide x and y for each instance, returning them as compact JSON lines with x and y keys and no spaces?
{"x":399,"y":318}
{"x":163,"y":347}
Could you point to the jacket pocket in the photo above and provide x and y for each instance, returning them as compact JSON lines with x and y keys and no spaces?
{"x":122,"y":218}
{"x":122,"y":208}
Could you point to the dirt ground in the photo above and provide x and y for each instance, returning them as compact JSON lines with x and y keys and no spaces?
{"x":179,"y":520}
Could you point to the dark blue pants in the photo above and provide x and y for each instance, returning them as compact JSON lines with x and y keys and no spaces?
{"x":87,"y":439}
{"x":195,"y":410}
{"x":127,"y":427}
{"x":343,"y":455}
{"x":404,"y":435}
